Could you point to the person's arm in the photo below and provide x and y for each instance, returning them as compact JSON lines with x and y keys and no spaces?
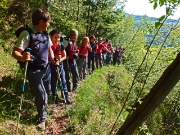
{"x":21,"y":45}
{"x":89,"y":48}
{"x":17,"y":54}
{"x":63,"y":55}
{"x":105,"y":48}
{"x":113,"y":50}
{"x":51,"y":55}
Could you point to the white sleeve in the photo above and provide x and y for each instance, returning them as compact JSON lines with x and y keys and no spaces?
{"x":23,"y":40}
{"x":50,"y":42}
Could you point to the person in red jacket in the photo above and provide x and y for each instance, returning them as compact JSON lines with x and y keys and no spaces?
{"x":60,"y":56}
{"x":104,"y":52}
{"x":99,"y":48}
{"x":83,"y":54}
{"x":109,"y":54}
{"x":70,"y":64}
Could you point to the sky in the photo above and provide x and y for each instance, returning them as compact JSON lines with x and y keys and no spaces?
{"x":143,"y":7}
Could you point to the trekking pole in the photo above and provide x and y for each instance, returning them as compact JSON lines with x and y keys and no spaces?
{"x":63,"y":94}
{"x":60,"y":84}
{"x":22,"y":92}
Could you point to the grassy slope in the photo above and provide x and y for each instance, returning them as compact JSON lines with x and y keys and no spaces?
{"x":99,"y":100}
{"x":10,"y":87}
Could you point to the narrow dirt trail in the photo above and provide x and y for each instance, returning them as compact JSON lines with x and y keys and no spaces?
{"x":58,"y":122}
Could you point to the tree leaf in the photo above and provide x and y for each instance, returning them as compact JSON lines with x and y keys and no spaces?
{"x":157,"y":24}
{"x":155,"y":5}
{"x":161,"y":18}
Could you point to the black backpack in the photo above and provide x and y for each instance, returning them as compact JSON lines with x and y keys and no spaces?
{"x":17,"y":33}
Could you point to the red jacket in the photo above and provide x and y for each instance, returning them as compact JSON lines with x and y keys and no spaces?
{"x":100,"y":46}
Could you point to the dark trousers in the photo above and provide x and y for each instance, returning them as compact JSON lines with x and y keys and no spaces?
{"x":40,"y":84}
{"x":61,"y":81}
{"x":91,"y":62}
{"x":70,"y":67}
{"x":82,"y":67}
{"x":116,"y":60}
{"x":108,"y":59}
{"x":98,"y":59}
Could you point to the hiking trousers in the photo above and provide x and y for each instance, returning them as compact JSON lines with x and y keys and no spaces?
{"x":82,"y":67}
{"x":91,"y":62}
{"x":70,"y":67}
{"x":39,"y":80}
{"x":98,"y":59}
{"x":108,"y":59}
{"x":54,"y":80}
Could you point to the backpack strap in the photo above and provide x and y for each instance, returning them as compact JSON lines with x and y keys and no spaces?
{"x":58,"y":48}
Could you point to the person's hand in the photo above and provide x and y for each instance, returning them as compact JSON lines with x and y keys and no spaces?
{"x":56,"y":62}
{"x":26,"y":57}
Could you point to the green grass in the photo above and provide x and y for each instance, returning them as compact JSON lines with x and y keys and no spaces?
{"x":99,"y":100}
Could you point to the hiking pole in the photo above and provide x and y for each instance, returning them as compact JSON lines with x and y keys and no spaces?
{"x":22,"y":91}
{"x":62,"y":92}
{"x":60,"y":84}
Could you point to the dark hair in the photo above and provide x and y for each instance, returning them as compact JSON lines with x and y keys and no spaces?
{"x":107,"y":40}
{"x":92,"y":36}
{"x":40,"y":14}
{"x":55,"y":31}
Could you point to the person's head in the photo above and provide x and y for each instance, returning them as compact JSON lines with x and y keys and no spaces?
{"x":107,"y":40}
{"x":99,"y":39}
{"x":92,"y":38}
{"x":110,"y":45}
{"x":41,"y":19}
{"x":55,"y":36}
{"x":85,"y":41}
{"x":73,"y":34}
{"x":120,"y":47}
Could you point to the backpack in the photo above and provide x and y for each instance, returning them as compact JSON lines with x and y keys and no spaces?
{"x":59,"y":48}
{"x":17,"y":34}
{"x":75,"y":54}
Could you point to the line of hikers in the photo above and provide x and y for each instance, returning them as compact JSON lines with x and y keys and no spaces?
{"x":48,"y":56}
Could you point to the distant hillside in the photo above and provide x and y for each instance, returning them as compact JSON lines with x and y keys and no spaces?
{"x":138,"y":18}
{"x":171,"y":22}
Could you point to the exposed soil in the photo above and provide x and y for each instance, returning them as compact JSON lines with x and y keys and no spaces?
{"x":59,"y":121}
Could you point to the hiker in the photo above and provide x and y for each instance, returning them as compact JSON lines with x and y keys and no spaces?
{"x":98,"y":57}
{"x":116,"y":56}
{"x":70,"y":64}
{"x":121,"y":54}
{"x":91,"y":55}
{"x":60,"y":56}
{"x":109,"y":54}
{"x":83,"y":53}
{"x":38,"y":72}
{"x":104,"y":52}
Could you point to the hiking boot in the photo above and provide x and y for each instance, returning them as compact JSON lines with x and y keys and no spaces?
{"x":68,"y":102}
{"x":41,"y":126}
{"x":56,"y":100}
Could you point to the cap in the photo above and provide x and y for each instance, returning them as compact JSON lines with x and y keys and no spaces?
{"x":100,"y":38}
{"x":73,"y":32}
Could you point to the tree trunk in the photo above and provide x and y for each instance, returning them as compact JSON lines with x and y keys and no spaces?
{"x":160,"y":90}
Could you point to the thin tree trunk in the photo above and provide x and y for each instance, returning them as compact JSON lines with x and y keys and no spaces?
{"x":46,"y":5}
{"x":88,"y":18}
{"x":160,"y":90}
